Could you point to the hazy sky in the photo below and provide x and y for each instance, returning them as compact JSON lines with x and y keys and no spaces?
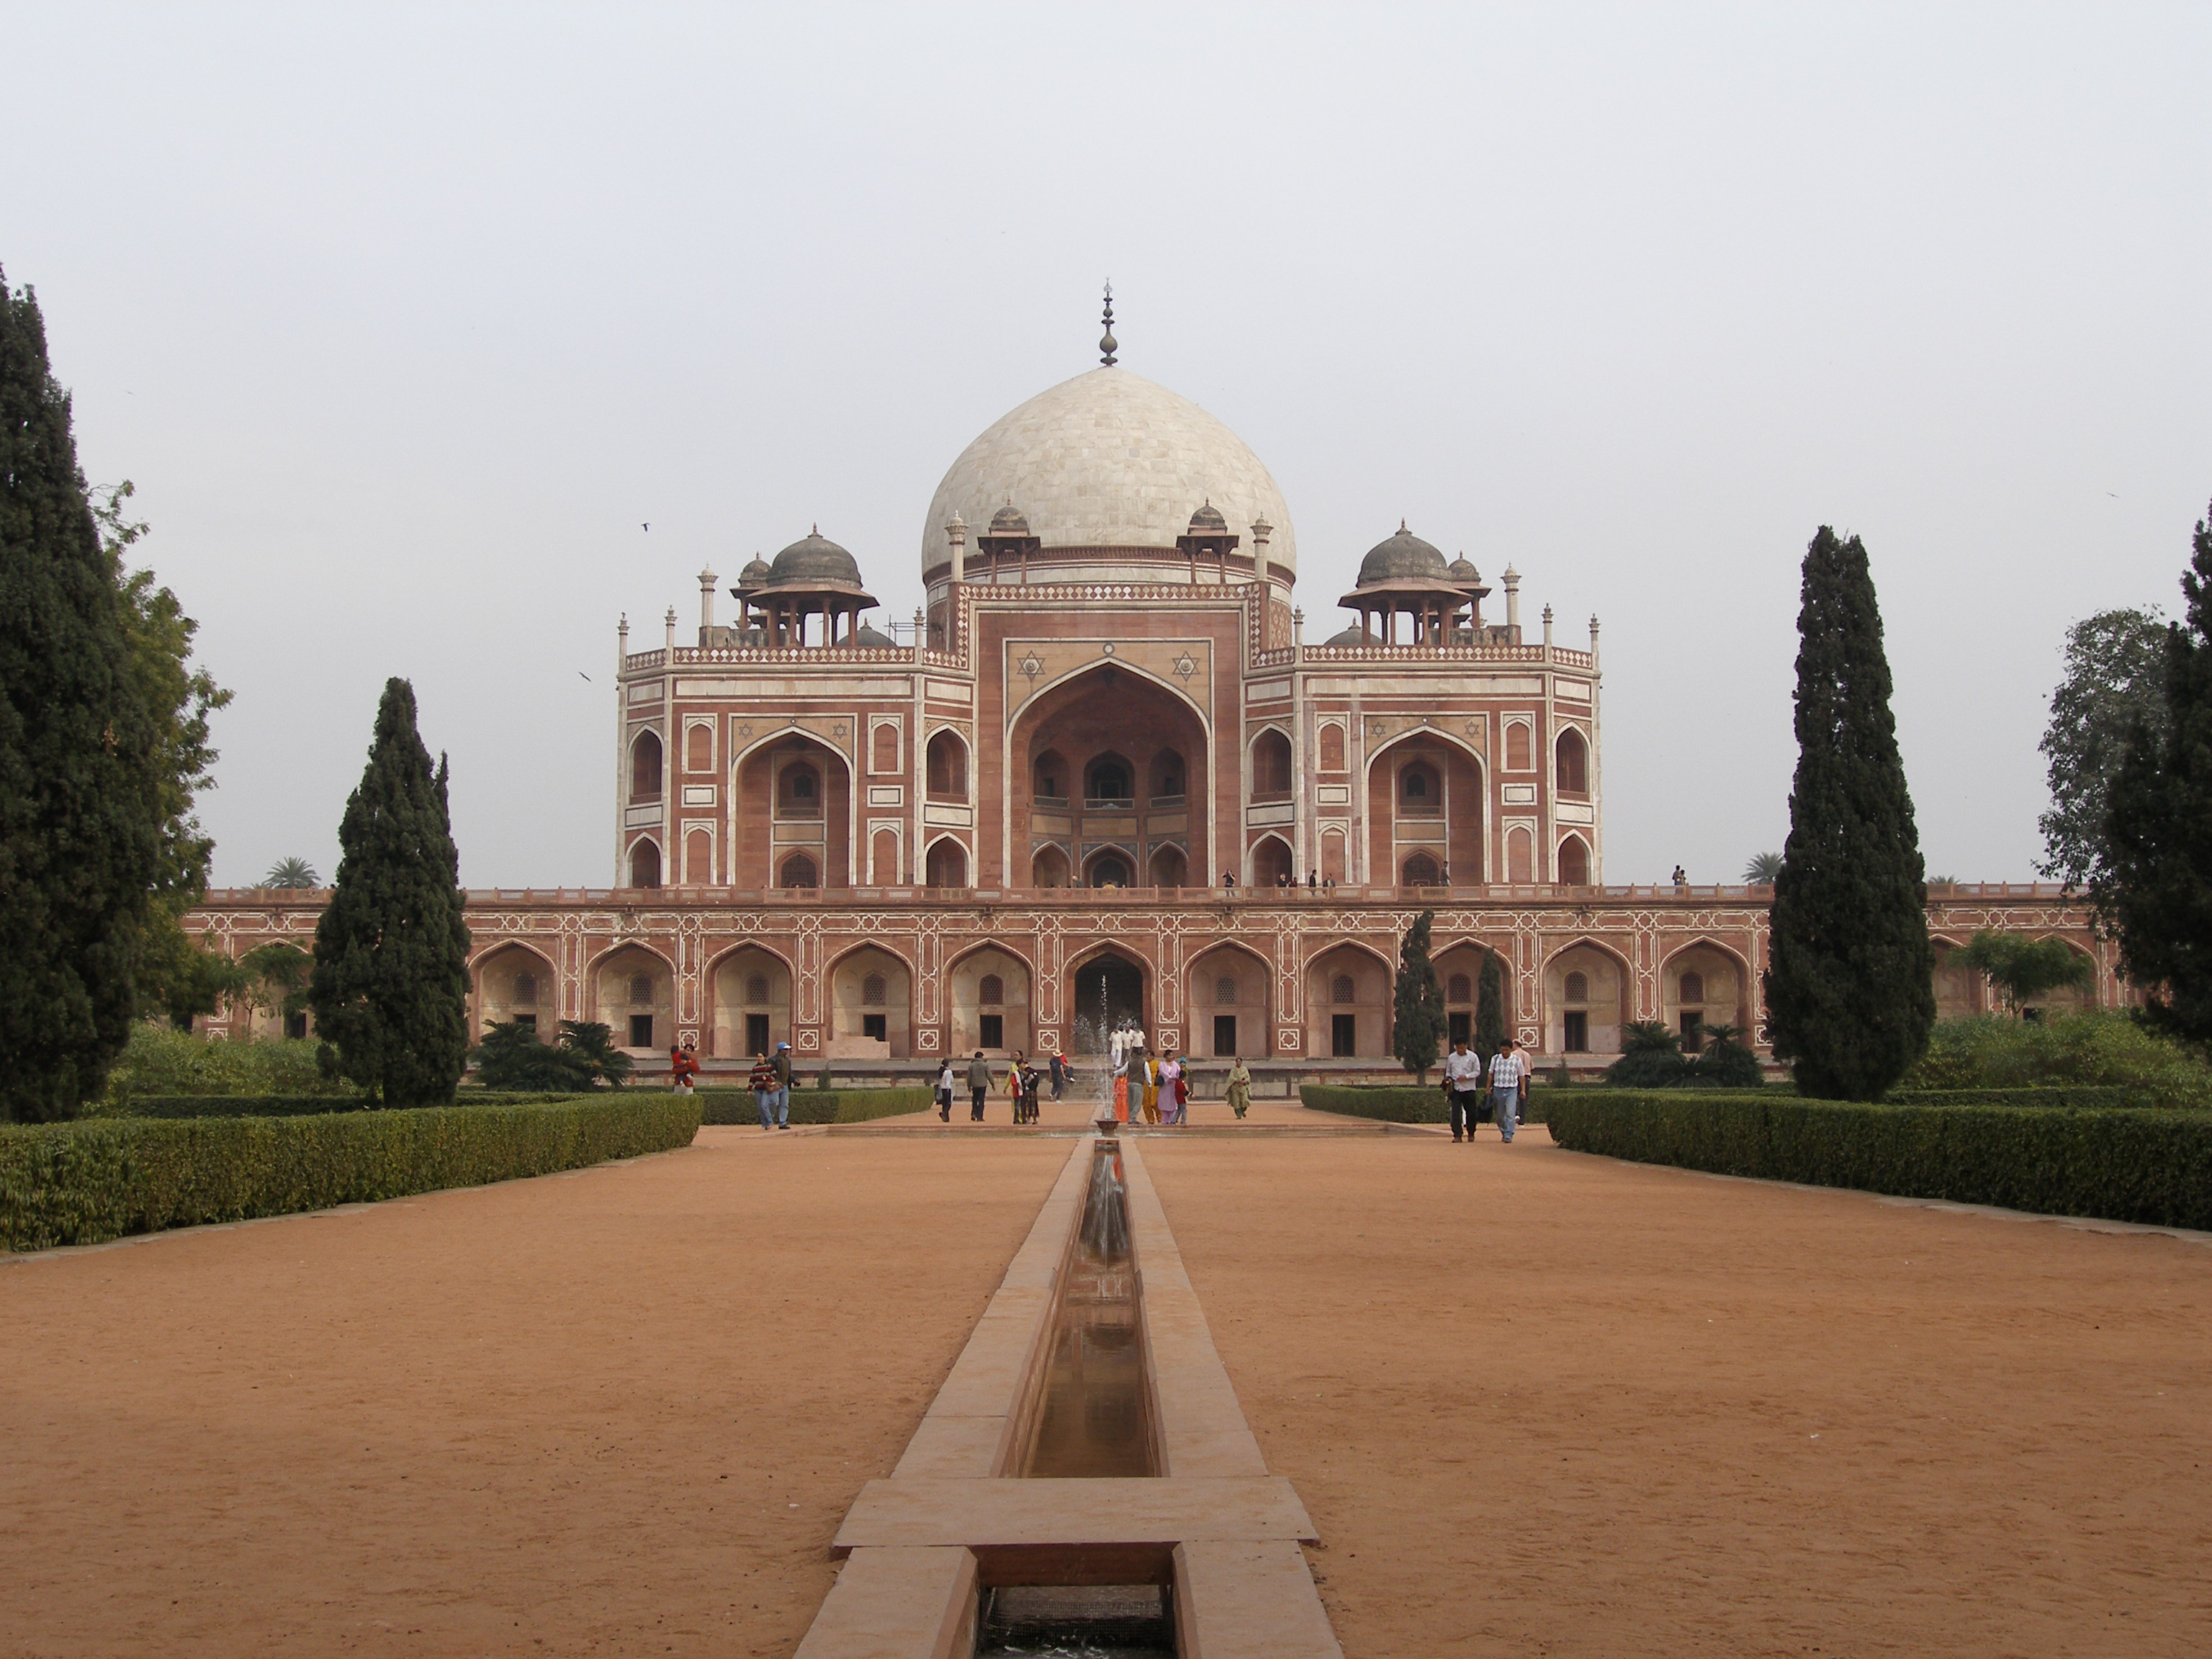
{"x":404,"y":321}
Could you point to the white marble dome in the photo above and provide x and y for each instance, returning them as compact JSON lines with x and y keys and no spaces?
{"x":1110,"y":459}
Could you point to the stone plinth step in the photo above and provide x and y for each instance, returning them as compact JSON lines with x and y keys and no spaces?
{"x":1018,"y":1513}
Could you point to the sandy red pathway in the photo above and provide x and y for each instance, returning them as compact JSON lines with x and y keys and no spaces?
{"x":1545,"y":1404}
{"x":616,"y":1412}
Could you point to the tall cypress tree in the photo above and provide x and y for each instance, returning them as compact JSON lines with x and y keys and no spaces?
{"x":2155,"y":894}
{"x":80,"y":809}
{"x":1416,"y":1022}
{"x":1850,"y":993}
{"x":391,"y":984}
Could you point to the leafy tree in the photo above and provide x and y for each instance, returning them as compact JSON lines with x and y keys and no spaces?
{"x":2023,"y":969}
{"x":1417,"y":1020}
{"x":1490,"y":1008}
{"x":1725,"y":1063}
{"x":1651,"y":1058}
{"x":276,"y":977}
{"x":82,"y":842}
{"x":2155,"y":893}
{"x":177,"y":974}
{"x":390,"y":987}
{"x":1850,"y":995}
{"x":1763,"y":869}
{"x":2115,"y":676}
{"x":290,"y":875}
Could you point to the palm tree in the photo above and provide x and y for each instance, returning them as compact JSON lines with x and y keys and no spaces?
{"x":1763,"y":869}
{"x":290,"y":874}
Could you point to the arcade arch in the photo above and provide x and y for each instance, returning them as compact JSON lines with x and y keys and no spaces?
{"x":990,"y":997}
{"x":1105,"y":987}
{"x":1227,"y":989}
{"x":1459,"y":971}
{"x":947,"y":865}
{"x":1348,"y":1003}
{"x":634,"y":995}
{"x":516,"y":985}
{"x":1425,"y":797}
{"x":645,"y":766}
{"x":791,"y":793}
{"x":753,"y":1004}
{"x":1587,"y":1001}
{"x":645,"y":862}
{"x":871,"y":997}
{"x":1703,"y":985}
{"x":947,"y":766}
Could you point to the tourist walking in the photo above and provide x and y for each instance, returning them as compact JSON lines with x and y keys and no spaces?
{"x":1508,"y":1071}
{"x":1058,"y":1074}
{"x":763,"y":1085}
{"x":1151,"y":1073}
{"x":683,"y":1067}
{"x":1463,"y":1083}
{"x":782,"y":1063}
{"x":1014,"y":1083}
{"x":979,"y":1084}
{"x":1025,"y":1110}
{"x":1240,"y":1086}
{"x":1174,"y":1089}
{"x":944,"y":1086}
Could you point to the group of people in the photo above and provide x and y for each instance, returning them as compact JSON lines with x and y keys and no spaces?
{"x":770,"y":1083}
{"x":1315,"y":882}
{"x":1496,"y":1092}
{"x":1147,"y":1088}
{"x":1022,"y":1083}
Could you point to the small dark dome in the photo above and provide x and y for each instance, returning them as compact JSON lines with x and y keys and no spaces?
{"x":1207,"y":521}
{"x":1464,"y":573}
{"x":812,"y":559}
{"x":755,"y":573}
{"x":1349,"y":637}
{"x":1010,"y":521}
{"x":865,"y":635}
{"x":1404,"y":558}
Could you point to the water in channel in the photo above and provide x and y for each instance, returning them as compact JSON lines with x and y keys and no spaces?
{"x":1094,"y":1420}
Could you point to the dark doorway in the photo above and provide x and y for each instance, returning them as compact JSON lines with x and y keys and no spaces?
{"x":1344,"y":1035}
{"x":1110,"y":870}
{"x":756,"y":1034}
{"x":876,"y":1026}
{"x":1462,"y":1029}
{"x":1111,"y":984}
{"x":1225,"y":1035}
{"x":1577,"y":1032}
{"x":991,"y":1030}
{"x":640,"y":1030}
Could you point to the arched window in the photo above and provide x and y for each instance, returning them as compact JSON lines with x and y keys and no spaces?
{"x":1169,"y":868}
{"x":947,"y":759}
{"x":1332,"y":748}
{"x":645,"y":865}
{"x":883,"y":755}
{"x":698,"y":858}
{"x":990,"y":990}
{"x":1224,"y":989}
{"x":1167,"y":775}
{"x":1271,"y":764}
{"x":1110,"y":870}
{"x":644,"y":767}
{"x":1519,"y":747}
{"x":1573,"y":764}
{"x":525,"y":989}
{"x":883,"y":857}
{"x":1421,"y":871}
{"x":1050,"y":772}
{"x":640,"y":990}
{"x":798,"y":792}
{"x":947,"y":865}
{"x":1460,"y":988}
{"x":1693,"y":987}
{"x":757,"y":990}
{"x":1271,"y":866}
{"x":698,"y":748}
{"x":1049,"y":868}
{"x":1520,"y":855}
{"x":871,"y":991}
{"x":1574,"y":862}
{"x":1108,"y":779}
{"x":799,"y":870}
{"x":1420,"y":790}
{"x":1577,"y":986}
{"x":1341,"y":989}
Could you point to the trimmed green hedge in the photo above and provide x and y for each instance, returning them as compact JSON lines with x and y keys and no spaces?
{"x":2103,"y":1097}
{"x":1390,"y":1103}
{"x":811,"y":1105}
{"x":79,"y":1183}
{"x":2151,"y":1167}
{"x":290,"y":1105}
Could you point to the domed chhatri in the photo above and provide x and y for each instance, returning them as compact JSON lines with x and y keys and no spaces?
{"x":754,"y":575}
{"x":1403,"y":557}
{"x":1111,"y":461}
{"x":1464,"y":573}
{"x":814,"y":561}
{"x":1207,"y":521}
{"x":1009,"y":520}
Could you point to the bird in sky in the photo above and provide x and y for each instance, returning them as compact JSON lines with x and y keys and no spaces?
{"x":582,"y":676}
{"x":645,"y":527}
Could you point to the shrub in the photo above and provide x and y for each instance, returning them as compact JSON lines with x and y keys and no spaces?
{"x":2104,"y":1048}
{"x":582,"y":1057}
{"x":818,"y":1105}
{"x":1651,"y":1058}
{"x":159,"y":1060}
{"x":299,"y":1105}
{"x":78,"y":1183}
{"x":1397,"y":1102}
{"x":2150,"y":1167}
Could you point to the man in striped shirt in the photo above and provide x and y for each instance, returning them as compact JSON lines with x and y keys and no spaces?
{"x":1508,"y":1072}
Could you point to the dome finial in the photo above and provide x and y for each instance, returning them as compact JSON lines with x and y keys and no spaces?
{"x":1107,"y":345}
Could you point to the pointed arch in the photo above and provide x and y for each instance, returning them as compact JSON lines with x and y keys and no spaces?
{"x":645,"y":765}
{"x":944,"y":863}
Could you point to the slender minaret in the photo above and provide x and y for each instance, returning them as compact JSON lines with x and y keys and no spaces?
{"x":955,"y":532}
{"x":1262,"y":529}
{"x":707,"y":581}
{"x":1547,"y":628}
{"x":1513,"y":604}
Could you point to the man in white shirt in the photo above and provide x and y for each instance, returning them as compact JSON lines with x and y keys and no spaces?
{"x":1463,"y":1083}
{"x":1507,"y":1073}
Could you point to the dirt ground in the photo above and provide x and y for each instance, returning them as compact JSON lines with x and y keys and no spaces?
{"x":1546,"y":1404}
{"x":620,"y":1412}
